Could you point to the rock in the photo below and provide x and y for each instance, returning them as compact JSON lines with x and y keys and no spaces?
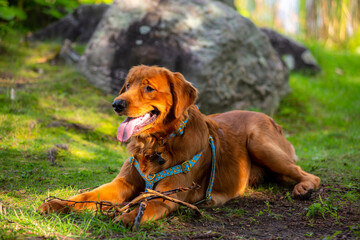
{"x":77,"y":26}
{"x":230,"y":3}
{"x":62,"y":146}
{"x":52,"y":154}
{"x":80,"y":25}
{"x":68,"y":53}
{"x":295,"y":55}
{"x":222,"y":53}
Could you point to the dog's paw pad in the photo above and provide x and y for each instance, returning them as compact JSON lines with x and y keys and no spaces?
{"x":304,"y":196}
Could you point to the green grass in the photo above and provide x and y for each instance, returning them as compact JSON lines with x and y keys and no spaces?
{"x":322,"y":116}
{"x":55,"y":105}
{"x":47,"y":95}
{"x":323,"y":208}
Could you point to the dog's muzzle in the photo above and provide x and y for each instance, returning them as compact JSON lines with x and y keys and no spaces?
{"x":119,"y":105}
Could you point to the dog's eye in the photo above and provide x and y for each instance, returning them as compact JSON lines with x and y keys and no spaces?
{"x":127,"y":86}
{"x":149,"y":89}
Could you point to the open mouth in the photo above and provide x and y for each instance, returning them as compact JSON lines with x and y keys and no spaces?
{"x":133,"y":125}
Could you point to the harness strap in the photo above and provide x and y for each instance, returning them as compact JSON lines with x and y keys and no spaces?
{"x":153,"y":178}
{"x":180,"y":131}
{"x":185,"y":167}
{"x":212,"y":176}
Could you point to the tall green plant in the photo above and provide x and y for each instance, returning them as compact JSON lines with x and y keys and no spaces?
{"x":35,"y":14}
{"x":10,"y":13}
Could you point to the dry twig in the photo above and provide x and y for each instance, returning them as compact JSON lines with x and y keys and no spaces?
{"x":193,"y":207}
{"x":110,"y":209}
{"x":86,"y":189}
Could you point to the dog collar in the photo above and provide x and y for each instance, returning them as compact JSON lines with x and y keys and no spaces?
{"x":185,"y":167}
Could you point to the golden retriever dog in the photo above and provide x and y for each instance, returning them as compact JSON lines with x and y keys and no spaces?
{"x":165,"y":130}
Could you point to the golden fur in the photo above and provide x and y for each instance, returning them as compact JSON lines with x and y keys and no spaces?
{"x":248,"y":146}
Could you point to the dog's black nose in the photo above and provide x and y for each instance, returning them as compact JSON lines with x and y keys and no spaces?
{"x":119,"y":105}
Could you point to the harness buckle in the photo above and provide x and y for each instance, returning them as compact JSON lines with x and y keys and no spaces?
{"x":185,"y":167}
{"x":150,"y":177}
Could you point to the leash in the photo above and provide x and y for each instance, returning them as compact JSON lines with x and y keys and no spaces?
{"x":212,"y":176}
{"x":185,"y":167}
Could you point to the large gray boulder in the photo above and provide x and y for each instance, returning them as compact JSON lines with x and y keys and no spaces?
{"x":77,"y":26}
{"x":222,"y":53}
{"x":295,"y":55}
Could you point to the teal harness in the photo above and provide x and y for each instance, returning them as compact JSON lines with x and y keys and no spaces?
{"x":185,"y":167}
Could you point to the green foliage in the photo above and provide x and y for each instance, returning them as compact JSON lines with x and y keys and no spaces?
{"x":355,"y":229}
{"x":288,"y":196}
{"x":353,"y":44}
{"x":333,"y":236}
{"x":323,"y":208}
{"x":314,"y":210}
{"x":234,"y":212}
{"x":9,"y":13}
{"x":309,"y":234}
{"x":34,"y":14}
{"x":50,"y":8}
{"x":270,"y":213}
{"x":351,"y":196}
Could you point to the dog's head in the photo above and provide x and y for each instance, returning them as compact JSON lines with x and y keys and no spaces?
{"x":152,"y":98}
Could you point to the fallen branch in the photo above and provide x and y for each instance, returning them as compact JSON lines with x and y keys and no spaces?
{"x":86,"y":189}
{"x":193,"y":207}
{"x":194,"y":186}
{"x":155,"y":195}
{"x":111,"y":210}
{"x":103,"y":203}
{"x":100,"y":205}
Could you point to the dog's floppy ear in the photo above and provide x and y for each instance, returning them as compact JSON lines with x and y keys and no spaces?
{"x":184,"y":94}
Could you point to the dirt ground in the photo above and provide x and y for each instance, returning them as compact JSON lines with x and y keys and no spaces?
{"x":269,"y":215}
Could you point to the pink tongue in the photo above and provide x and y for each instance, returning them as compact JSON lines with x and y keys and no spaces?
{"x":129,"y":125}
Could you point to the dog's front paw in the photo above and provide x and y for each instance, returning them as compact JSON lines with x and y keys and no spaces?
{"x":54,"y":206}
{"x":303,"y":190}
{"x":127,"y":219}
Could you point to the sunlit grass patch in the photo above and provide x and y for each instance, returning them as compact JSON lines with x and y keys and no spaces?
{"x":18,"y":222}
